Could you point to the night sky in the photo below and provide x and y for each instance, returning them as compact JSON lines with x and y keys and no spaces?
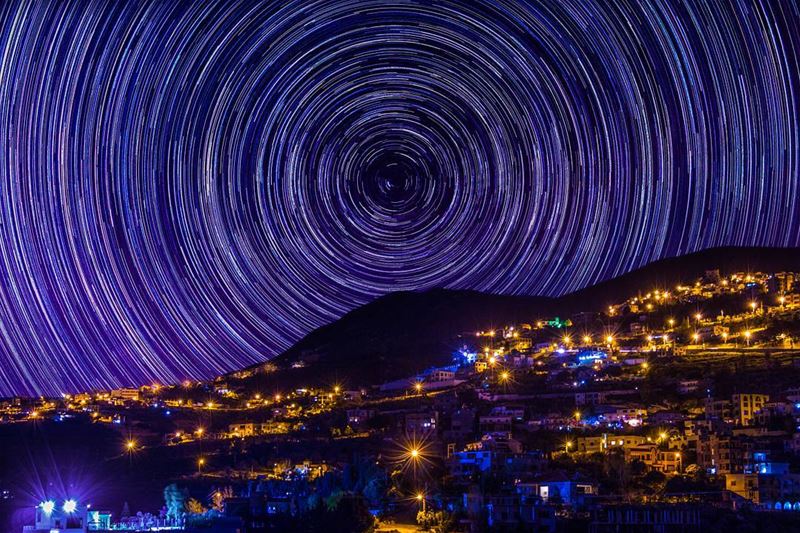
{"x":188,"y":188}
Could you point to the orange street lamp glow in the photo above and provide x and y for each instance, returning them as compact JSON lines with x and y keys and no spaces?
{"x":587,"y":339}
{"x":418,"y":386}
{"x":414,"y":453}
{"x":130,"y":445}
{"x":504,"y":376}
{"x":610,"y":339}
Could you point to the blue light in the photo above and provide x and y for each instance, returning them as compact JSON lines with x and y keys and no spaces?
{"x":70,"y":506}
{"x":48,"y":506}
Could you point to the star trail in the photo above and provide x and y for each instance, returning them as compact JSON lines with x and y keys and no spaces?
{"x":189,"y":187}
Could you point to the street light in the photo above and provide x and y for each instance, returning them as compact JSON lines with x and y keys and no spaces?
{"x":70,"y":506}
{"x":200,"y":463}
{"x":421,"y":499}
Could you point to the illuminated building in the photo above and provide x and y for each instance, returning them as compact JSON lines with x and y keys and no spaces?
{"x":782,"y":282}
{"x":125,"y":395}
{"x":745,"y":407}
{"x":67,"y":516}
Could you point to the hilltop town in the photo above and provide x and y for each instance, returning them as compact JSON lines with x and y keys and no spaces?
{"x":676,"y":408}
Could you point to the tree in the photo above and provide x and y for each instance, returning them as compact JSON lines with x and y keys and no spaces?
{"x":195,"y":507}
{"x":425,"y":519}
{"x":175,"y":500}
{"x":218,"y":497}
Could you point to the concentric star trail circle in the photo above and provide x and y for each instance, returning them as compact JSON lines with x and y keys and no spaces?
{"x":189,"y":187}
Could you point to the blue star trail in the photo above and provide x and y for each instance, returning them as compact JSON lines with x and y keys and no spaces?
{"x":189,"y":187}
